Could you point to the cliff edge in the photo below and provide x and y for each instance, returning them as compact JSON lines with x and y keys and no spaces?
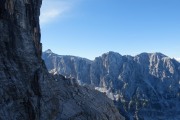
{"x":27,"y":90}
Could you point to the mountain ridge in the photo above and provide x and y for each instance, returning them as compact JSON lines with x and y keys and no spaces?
{"x":139,"y":85}
{"x":149,"y":53}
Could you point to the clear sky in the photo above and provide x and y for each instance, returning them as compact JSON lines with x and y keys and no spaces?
{"x":89,"y":28}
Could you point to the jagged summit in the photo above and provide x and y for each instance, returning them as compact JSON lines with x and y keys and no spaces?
{"x":110,"y":54}
{"x":151,"y":57}
{"x":156,"y":54}
{"x":48,"y":51}
{"x":145,"y":86}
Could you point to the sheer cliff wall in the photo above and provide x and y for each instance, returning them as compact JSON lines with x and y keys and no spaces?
{"x":27,"y":91}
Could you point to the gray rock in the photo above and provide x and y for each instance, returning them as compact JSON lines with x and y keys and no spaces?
{"x":146,"y":86}
{"x":27,"y":90}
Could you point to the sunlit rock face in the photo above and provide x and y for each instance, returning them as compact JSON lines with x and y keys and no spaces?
{"x":27,"y":90}
{"x":146,"y":86}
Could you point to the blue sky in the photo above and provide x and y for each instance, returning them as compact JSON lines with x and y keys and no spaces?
{"x":89,"y":28}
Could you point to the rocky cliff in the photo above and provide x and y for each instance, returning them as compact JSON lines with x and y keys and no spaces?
{"x":27,"y":90}
{"x":146,"y":86}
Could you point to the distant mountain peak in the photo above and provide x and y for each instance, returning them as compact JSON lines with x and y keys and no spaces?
{"x":146,"y":83}
{"x":156,"y":54}
{"x":111,"y":53}
{"x":48,"y":51}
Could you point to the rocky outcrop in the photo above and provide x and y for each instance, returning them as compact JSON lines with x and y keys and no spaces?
{"x":27,"y":90}
{"x":19,"y":60}
{"x":146,"y":86}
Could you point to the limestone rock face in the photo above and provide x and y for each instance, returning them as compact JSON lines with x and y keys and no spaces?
{"x":27,"y":90}
{"x":146,"y":86}
{"x":20,"y":59}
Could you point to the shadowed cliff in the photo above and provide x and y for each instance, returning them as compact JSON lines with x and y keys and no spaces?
{"x":27,"y":91}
